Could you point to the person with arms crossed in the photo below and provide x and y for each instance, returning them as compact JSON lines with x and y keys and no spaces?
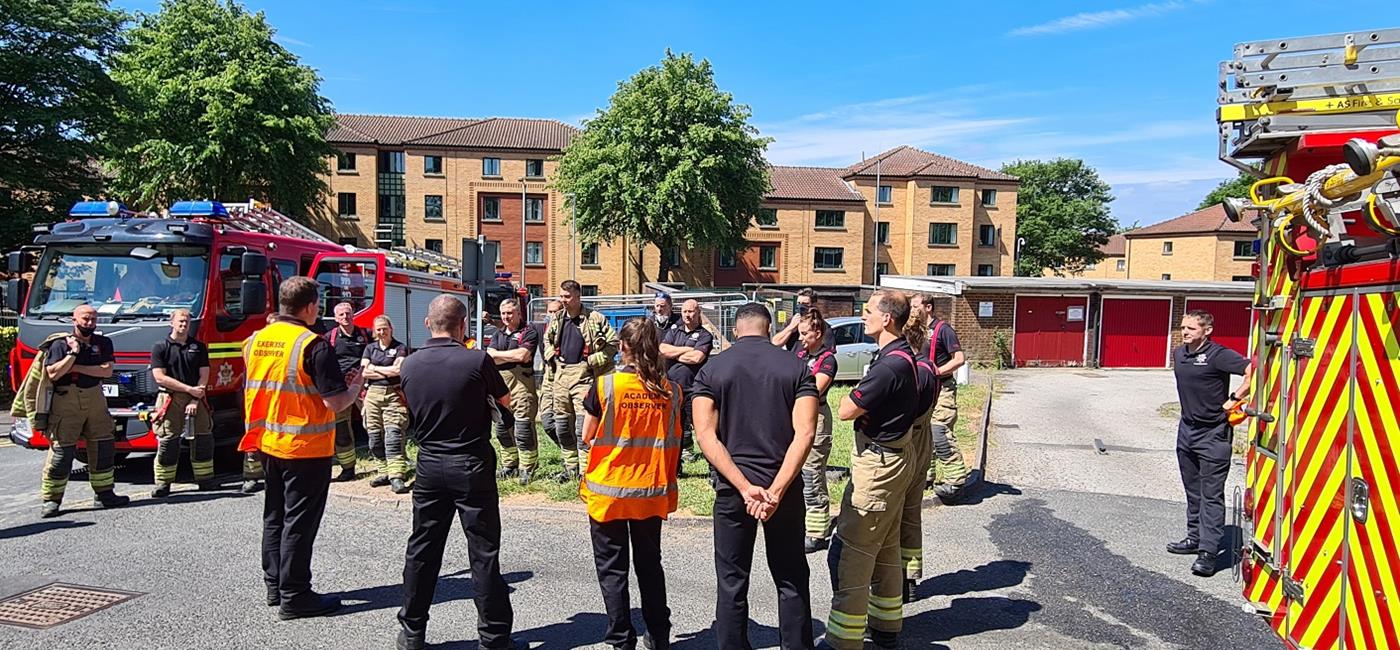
{"x":686,"y":346}
{"x":512,"y":349}
{"x":755,"y":412}
{"x":349,"y":342}
{"x":180,"y":366}
{"x":385,"y":414}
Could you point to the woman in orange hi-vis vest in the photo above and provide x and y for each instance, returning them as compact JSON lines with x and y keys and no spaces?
{"x":632,"y":429}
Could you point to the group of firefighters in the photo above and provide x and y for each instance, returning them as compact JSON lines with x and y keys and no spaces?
{"x":759,"y":415}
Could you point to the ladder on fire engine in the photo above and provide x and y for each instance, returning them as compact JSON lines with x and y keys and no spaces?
{"x":254,"y":216}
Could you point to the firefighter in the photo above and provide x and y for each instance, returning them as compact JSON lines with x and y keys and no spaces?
{"x":292,"y":391}
{"x":687,"y":346}
{"x":821,"y":364}
{"x":919,"y":451}
{"x":384,"y":411}
{"x":581,"y":344}
{"x":755,"y":409}
{"x":513,"y":351}
{"x":786,"y":338}
{"x":1203,"y":435}
{"x":546,"y":392}
{"x":632,"y":431}
{"x":948,"y":473}
{"x":180,"y":365}
{"x":349,"y":342}
{"x":77,"y":364}
{"x":447,"y":387}
{"x":867,"y":580}
{"x":664,"y":316}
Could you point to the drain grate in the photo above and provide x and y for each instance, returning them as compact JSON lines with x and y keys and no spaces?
{"x":58,"y":603}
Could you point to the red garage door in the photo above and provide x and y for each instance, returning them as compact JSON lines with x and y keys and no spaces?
{"x":1135,"y":332}
{"x":1049,"y":331}
{"x":1232,"y":318}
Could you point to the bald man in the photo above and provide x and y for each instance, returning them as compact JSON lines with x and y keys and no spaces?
{"x":180,"y":366}
{"x":687,"y":347}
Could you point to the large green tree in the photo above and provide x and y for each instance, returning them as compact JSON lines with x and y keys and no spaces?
{"x":55,"y":98}
{"x":1235,"y":188}
{"x":672,"y":161}
{"x":214,"y":108}
{"x":1061,"y":213}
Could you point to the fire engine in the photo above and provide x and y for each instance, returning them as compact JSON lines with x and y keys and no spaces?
{"x":1315,"y":118}
{"x":222,"y":263}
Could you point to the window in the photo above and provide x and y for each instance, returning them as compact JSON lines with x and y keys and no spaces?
{"x":490,"y":208}
{"x":1090,"y":267}
{"x":943,"y":194}
{"x":434,"y":245}
{"x":881,"y":268}
{"x":534,"y":252}
{"x":831,"y":219}
{"x":1166,"y":276}
{"x":534,"y":210}
{"x":941,"y":269}
{"x":491,"y":167}
{"x":432,"y":164}
{"x":391,"y":162}
{"x":590,"y":255}
{"x":535,"y":290}
{"x":351,"y":282}
{"x":353,"y":241}
{"x":284,"y":269}
{"x":986,"y":270}
{"x":590,"y":289}
{"x":767,"y":218}
{"x":1166,"y":248}
{"x":534,"y":167}
{"x":673,"y":256}
{"x":886,"y":194}
{"x":846,"y":334}
{"x":1241,"y":278}
{"x":347,"y":204}
{"x":989,"y":198}
{"x":768,"y":258}
{"x":1244,"y":248}
{"x":727,"y":261}
{"x":344,"y":162}
{"x":1121,"y":266}
{"x":986,"y":235}
{"x":942,"y":234}
{"x":432,"y":207}
{"x":829,"y":259}
{"x":882,"y":232}
{"x":497,"y":244}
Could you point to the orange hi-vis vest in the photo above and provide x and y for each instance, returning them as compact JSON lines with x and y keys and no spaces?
{"x":634,"y":456}
{"x":282,"y":410}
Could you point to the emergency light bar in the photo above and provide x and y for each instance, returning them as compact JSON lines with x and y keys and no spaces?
{"x":98,"y":209}
{"x":198,"y":209}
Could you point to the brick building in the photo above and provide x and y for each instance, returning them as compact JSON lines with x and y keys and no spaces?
{"x":1201,"y":246}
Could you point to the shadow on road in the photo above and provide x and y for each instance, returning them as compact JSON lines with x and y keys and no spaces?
{"x":999,"y":574}
{"x":143,"y":499}
{"x":966,"y":617}
{"x":449,"y":588}
{"x":40,"y":527}
{"x":759,"y":636}
{"x":984,"y":489}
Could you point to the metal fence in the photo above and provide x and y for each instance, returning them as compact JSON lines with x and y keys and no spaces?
{"x":716,"y":309}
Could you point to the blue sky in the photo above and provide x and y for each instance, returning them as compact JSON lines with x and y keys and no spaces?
{"x":1128,"y":86}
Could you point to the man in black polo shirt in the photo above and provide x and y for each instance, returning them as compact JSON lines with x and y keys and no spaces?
{"x":349,"y":342}
{"x":1203,"y":437}
{"x":512,"y":349}
{"x":867,"y":576}
{"x":180,"y":366}
{"x":687,"y":347}
{"x":946,"y":353}
{"x":787,"y":337}
{"x":755,"y":417}
{"x":449,"y":391}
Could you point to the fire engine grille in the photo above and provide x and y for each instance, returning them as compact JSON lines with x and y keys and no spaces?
{"x":58,"y":603}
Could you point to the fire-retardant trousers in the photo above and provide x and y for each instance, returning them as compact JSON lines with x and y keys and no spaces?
{"x":171,"y":427}
{"x":571,"y":383}
{"x":520,"y":448}
{"x":816,"y":496}
{"x":911,"y":524}
{"x":948,"y":463}
{"x":345,"y":438}
{"x":385,"y":417}
{"x":78,"y":414}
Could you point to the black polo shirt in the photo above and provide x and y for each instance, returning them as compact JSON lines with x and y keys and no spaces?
{"x":947,"y":340}
{"x":320,"y":364}
{"x":664,"y":326}
{"x":449,"y":390}
{"x":349,"y":348}
{"x":181,"y":361}
{"x":97,"y":351}
{"x":505,"y":341}
{"x":886,"y":393}
{"x":823,"y":362}
{"x":699,"y":339}
{"x":755,"y":385}
{"x":571,"y":340}
{"x":382,"y":356}
{"x":1203,"y":381}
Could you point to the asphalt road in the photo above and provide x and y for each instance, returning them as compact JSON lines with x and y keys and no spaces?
{"x":1061,"y":548}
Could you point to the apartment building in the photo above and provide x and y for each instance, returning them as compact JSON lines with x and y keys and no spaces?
{"x":1202,"y":245}
{"x":430,"y":182}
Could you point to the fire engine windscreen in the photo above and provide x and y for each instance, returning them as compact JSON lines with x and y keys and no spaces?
{"x":120,"y":280}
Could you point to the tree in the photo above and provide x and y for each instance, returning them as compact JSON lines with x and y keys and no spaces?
{"x":1061,"y":213}
{"x":672,"y":161}
{"x":55,"y":96}
{"x":1235,"y":188}
{"x":213,"y":108}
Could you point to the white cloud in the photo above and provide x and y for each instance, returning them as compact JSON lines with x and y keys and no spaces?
{"x":1097,"y":19}
{"x":287,"y":40}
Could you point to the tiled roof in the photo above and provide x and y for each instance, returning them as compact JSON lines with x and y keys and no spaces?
{"x":484,"y":133}
{"x":811,"y":183}
{"x":905,"y":161}
{"x":1117,"y":246}
{"x":1203,"y":221}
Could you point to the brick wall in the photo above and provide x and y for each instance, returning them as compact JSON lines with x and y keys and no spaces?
{"x":978,"y":334}
{"x":911,"y":211}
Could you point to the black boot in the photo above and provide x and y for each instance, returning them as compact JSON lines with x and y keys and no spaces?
{"x":313,"y":604}
{"x":161,"y":491}
{"x":1186,"y":546}
{"x":347,"y":474}
{"x":884,"y":640}
{"x":274,"y":597}
{"x":408,"y":641}
{"x":1204,"y":565}
{"x":813,"y":544}
{"x":109,"y":499}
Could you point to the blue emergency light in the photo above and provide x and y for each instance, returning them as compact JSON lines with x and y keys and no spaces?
{"x":198,"y":209}
{"x":83,"y":209}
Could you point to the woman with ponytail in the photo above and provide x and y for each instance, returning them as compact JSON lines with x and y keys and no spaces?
{"x":919,"y":450}
{"x":632,"y":430}
{"x":814,"y":349}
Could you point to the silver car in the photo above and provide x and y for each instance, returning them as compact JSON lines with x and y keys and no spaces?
{"x":854,"y":349}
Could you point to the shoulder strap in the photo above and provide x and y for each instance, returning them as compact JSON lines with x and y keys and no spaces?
{"x":913,"y":365}
{"x":825,"y":354}
{"x":933,"y":338}
{"x":335,"y":332}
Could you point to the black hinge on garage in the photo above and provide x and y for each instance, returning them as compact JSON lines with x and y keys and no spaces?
{"x":1302,"y":348}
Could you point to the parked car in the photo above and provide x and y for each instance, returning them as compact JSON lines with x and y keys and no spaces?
{"x":854,"y":350}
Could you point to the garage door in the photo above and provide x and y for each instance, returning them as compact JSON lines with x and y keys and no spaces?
{"x":1135,"y":332}
{"x":1049,"y":331}
{"x":1232,"y":318}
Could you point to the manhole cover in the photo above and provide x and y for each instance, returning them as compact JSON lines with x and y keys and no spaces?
{"x":58,"y":603}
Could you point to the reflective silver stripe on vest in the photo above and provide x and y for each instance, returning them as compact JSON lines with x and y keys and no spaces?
{"x":255,"y":384}
{"x":607,"y":430}
{"x":298,"y":352}
{"x":292,"y":429}
{"x":630,"y":493}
